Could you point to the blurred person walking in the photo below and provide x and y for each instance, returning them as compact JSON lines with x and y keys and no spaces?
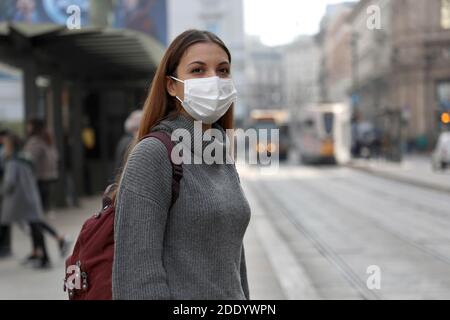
{"x":131,"y":127}
{"x":5,"y":229}
{"x":42,"y":152}
{"x":21,"y":201}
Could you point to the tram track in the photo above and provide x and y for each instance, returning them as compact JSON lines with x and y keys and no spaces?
{"x":321,"y":246}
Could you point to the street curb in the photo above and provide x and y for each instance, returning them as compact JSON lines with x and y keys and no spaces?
{"x":290,"y":274}
{"x":397,"y":178}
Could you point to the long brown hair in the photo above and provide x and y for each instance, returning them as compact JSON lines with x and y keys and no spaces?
{"x":159,"y":103}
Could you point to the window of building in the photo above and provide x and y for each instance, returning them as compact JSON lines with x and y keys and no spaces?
{"x":443,"y":94}
{"x":445,"y":14}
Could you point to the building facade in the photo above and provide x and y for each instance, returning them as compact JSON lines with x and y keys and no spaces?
{"x":337,"y":54}
{"x":421,"y":64}
{"x":301,"y":70}
{"x":334,"y":39}
{"x":403,"y":65}
{"x":264,"y":74}
{"x":371,"y":50}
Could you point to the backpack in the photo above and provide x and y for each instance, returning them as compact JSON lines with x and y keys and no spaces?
{"x":89,"y":268}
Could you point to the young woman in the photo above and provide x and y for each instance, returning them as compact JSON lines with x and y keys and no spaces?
{"x":194,"y":248}
{"x":21,"y":202}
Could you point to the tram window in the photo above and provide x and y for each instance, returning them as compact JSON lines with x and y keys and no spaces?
{"x":328,"y":121}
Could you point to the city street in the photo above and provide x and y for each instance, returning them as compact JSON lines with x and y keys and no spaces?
{"x":314,"y":232}
{"x":352,"y":96}
{"x":335,"y":222}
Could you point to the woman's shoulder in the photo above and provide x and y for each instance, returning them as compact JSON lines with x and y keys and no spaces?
{"x":148,"y":158}
{"x":148,"y":170}
{"x":148,"y":150}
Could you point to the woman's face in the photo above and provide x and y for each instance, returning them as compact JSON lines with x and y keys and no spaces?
{"x":201,"y":60}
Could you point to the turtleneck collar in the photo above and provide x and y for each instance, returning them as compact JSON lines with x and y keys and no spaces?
{"x":183,"y":121}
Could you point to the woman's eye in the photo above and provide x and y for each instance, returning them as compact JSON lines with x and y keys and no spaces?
{"x":225,"y":71}
{"x":196,"y":70}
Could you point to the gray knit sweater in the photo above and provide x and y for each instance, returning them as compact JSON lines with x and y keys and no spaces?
{"x":193,"y":250}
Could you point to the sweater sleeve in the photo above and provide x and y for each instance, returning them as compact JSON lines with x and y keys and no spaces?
{"x":143,"y":203}
{"x":244,"y":281}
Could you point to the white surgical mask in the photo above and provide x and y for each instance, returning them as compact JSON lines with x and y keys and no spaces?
{"x":207,"y":99}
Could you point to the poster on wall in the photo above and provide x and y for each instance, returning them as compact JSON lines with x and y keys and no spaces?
{"x":41,"y":11}
{"x":147,"y":16}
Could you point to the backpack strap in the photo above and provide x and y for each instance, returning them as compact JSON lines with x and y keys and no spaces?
{"x":177,"y":169}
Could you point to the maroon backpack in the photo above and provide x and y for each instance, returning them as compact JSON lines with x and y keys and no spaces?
{"x":89,"y":268}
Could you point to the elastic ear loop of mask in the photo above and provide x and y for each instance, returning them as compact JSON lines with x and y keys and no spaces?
{"x":181,"y":82}
{"x":177,"y":79}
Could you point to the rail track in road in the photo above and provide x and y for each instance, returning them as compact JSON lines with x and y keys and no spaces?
{"x":323,"y":248}
{"x":419,"y":215}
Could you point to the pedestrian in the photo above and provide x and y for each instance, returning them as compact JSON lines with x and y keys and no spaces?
{"x":5,"y":229}
{"x":44,"y":155}
{"x":21,"y":201}
{"x":131,"y":127}
{"x":193,"y":249}
{"x":42,"y":152}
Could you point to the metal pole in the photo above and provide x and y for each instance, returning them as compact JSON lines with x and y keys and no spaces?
{"x":60,"y":189}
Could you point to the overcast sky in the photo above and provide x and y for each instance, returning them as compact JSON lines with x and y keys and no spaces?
{"x":280,"y":21}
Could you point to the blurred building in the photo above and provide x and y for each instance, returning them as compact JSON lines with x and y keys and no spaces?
{"x":421,"y":63}
{"x":401,"y":69}
{"x":264,"y":71}
{"x":334,"y":39}
{"x":85,"y":81}
{"x":224,"y":18}
{"x":337,"y":54}
{"x":370,"y":56}
{"x":301,"y":71}
{"x":405,"y":65}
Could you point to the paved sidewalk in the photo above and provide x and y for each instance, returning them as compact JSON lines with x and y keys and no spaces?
{"x":18,"y":282}
{"x":414,"y":170}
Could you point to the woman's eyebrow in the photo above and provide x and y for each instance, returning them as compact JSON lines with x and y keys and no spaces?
{"x":197,"y":62}
{"x":203,"y":63}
